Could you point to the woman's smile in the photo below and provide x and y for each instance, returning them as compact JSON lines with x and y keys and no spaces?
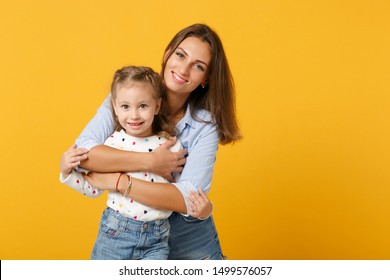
{"x":178,"y":78}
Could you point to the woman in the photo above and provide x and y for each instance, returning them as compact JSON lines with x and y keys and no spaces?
{"x":200,"y":95}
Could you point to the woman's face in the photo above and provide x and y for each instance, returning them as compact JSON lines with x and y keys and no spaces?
{"x":187,"y":67}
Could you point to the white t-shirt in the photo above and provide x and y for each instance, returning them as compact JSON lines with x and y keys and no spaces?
{"x":121,"y":204}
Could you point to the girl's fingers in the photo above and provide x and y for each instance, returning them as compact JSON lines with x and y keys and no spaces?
{"x":80,"y":158}
{"x":76,"y":159}
{"x":73,"y":150}
{"x":79,"y":152}
{"x":73,"y":157}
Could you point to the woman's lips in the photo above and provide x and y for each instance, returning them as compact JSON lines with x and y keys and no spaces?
{"x":178,"y":79}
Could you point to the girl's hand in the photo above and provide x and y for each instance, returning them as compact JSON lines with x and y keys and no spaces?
{"x":72,"y":158}
{"x":199,"y":205}
{"x":103,"y":181}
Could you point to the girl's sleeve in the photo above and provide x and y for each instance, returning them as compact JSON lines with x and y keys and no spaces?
{"x":77,"y":182}
{"x":99,"y":128}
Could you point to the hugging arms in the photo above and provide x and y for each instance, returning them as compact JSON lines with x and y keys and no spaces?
{"x":106,"y":162}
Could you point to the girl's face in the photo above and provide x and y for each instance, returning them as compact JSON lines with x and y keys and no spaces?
{"x":135,"y":108}
{"x":187,"y":67}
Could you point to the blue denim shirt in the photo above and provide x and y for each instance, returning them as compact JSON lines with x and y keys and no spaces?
{"x":200,"y":139}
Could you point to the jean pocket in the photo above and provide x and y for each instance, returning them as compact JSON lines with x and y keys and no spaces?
{"x":190,"y":219}
{"x":110,"y":224}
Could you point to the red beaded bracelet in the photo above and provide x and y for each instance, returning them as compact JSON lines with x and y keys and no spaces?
{"x":117,"y":182}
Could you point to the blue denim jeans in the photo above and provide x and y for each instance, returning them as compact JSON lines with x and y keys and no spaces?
{"x":193,"y":239}
{"x":122,"y":238}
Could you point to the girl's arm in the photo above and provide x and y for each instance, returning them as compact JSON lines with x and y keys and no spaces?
{"x":70,"y":159}
{"x":105,"y":159}
{"x":76,"y":181}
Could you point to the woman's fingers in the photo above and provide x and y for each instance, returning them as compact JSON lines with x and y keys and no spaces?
{"x":202,"y":195}
{"x":196,"y":201}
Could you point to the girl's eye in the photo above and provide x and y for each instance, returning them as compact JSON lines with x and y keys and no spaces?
{"x":125,"y":106}
{"x":143,"y":106}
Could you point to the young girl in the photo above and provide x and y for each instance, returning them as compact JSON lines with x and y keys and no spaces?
{"x":128,"y":229}
{"x":201,"y":103}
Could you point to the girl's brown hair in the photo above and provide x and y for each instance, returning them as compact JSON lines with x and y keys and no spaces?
{"x":218,"y":97}
{"x":129,"y":75}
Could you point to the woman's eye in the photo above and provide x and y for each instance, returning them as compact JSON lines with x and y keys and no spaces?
{"x":199,"y":67}
{"x":179,"y":54}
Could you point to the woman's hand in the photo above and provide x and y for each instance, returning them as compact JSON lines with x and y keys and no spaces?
{"x":72,"y":158}
{"x":199,"y":205}
{"x":165,"y":162}
{"x":103,"y":181}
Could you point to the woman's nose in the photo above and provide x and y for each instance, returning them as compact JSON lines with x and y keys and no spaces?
{"x":184,"y":69}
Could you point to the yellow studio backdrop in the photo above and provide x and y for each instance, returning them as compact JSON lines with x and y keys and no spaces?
{"x":311,"y":178}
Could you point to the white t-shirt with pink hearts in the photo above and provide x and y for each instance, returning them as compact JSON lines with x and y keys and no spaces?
{"x":121,"y":204}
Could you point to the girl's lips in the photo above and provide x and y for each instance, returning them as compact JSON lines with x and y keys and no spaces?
{"x":178,"y":79}
{"x":135,"y":124}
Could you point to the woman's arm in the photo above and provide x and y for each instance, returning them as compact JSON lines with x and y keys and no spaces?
{"x":200,"y":206}
{"x":162,"y":196}
{"x":161,"y":161}
{"x":99,"y":128}
{"x":197,"y":173}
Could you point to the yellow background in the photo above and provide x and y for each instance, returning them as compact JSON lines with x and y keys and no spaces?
{"x":311,"y":178}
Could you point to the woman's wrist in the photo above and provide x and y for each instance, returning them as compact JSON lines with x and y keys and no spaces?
{"x":105,"y":159}
{"x":124,"y":186}
{"x":138,"y":161}
{"x":128,"y":188}
{"x":147,"y":161}
{"x":121,"y":185}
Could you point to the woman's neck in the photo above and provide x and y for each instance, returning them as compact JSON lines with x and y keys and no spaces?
{"x":177,"y":108}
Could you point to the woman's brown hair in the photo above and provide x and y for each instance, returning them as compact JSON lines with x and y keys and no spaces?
{"x":218,"y":96}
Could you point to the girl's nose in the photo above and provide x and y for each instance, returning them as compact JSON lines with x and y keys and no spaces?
{"x":134,"y":114}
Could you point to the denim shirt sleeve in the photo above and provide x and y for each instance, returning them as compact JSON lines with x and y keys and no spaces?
{"x":198,"y":170}
{"x":99,"y":128}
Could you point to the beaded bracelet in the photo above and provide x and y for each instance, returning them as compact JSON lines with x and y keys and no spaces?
{"x":128,"y":186}
{"x":117,"y":182}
